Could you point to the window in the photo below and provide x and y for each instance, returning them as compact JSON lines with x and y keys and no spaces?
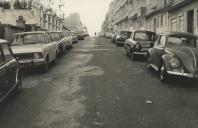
{"x":181,"y":23}
{"x":6,"y":51}
{"x":173,"y":24}
{"x":55,"y":36}
{"x":48,"y":38}
{"x":162,"y":20}
{"x":178,"y":40}
{"x":1,"y":58}
{"x":161,"y":41}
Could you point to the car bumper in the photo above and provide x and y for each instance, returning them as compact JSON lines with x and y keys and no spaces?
{"x":74,"y":40}
{"x":31,"y":63}
{"x":120,"y":43}
{"x":142,"y":53}
{"x":188,"y":75}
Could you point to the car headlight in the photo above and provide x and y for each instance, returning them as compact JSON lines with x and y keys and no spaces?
{"x":175,"y":63}
{"x":38,"y":55}
{"x":137,"y":46}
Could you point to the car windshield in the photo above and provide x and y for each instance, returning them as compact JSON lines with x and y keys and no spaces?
{"x":24,"y":39}
{"x":181,"y":41}
{"x":145,"y":36}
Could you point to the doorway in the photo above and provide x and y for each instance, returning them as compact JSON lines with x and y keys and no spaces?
{"x":190,"y":21}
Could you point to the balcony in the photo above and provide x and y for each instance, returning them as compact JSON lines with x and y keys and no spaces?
{"x":157,"y":6}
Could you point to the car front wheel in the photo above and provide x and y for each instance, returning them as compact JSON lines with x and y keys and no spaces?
{"x":164,"y":77}
{"x":45,"y":67}
{"x":19,"y":83}
{"x":133,"y":57}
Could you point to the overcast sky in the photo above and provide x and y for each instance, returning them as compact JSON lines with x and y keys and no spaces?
{"x":92,"y":12}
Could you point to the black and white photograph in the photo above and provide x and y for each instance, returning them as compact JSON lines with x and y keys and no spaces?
{"x":98,"y":63}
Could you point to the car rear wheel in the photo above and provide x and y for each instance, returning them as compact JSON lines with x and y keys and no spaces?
{"x":164,"y":77}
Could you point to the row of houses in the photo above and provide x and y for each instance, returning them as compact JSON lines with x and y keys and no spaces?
{"x":154,"y":15}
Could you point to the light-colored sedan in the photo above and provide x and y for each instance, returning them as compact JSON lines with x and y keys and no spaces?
{"x":34,"y":49}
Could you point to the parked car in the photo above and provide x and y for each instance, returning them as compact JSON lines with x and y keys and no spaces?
{"x":10,"y":75}
{"x":80,"y":35}
{"x":139,"y":43}
{"x":74,"y":38}
{"x":175,"y":54}
{"x":113,"y":38}
{"x":122,"y":37}
{"x":108,"y":35}
{"x":34,"y":49}
{"x":60,"y":39}
{"x":68,"y":38}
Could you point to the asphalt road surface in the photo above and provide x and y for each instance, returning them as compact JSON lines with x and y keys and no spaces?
{"x":96,"y":86}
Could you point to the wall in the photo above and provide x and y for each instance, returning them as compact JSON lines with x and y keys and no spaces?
{"x":10,"y":16}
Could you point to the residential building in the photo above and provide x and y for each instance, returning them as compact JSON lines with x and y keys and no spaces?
{"x":154,"y":15}
{"x":73,"y":22}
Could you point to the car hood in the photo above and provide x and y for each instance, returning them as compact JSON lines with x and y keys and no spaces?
{"x":188,"y":56}
{"x":28,"y":48}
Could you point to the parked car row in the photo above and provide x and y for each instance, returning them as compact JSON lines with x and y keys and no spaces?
{"x":172,"y":54}
{"x":81,"y":35}
{"x":29,"y":49}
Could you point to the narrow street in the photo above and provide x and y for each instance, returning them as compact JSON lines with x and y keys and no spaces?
{"x":96,"y":86}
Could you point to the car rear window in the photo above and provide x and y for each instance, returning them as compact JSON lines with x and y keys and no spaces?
{"x":144,"y":36}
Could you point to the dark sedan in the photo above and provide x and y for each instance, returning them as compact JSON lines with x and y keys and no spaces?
{"x":175,"y":54}
{"x":139,"y":43}
{"x":122,"y":37}
{"x":113,"y":38}
{"x":80,"y":35}
{"x":10,"y":76}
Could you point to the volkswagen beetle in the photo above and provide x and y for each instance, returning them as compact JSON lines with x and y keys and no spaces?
{"x":175,"y":54}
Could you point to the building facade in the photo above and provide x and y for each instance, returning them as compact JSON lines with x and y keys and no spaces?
{"x":154,"y":15}
{"x":73,"y":22}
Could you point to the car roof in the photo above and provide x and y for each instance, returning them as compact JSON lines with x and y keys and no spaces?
{"x":143,"y":31}
{"x":2,"y":41}
{"x":54,"y":31}
{"x":171,"y":33}
{"x":33,"y":32}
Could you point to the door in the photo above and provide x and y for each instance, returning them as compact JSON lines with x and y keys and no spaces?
{"x":2,"y":75}
{"x":11,"y":67}
{"x":52,"y":47}
{"x":190,"y":21}
{"x":159,"y":50}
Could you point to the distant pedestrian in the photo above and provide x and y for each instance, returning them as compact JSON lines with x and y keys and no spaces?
{"x":95,"y":33}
